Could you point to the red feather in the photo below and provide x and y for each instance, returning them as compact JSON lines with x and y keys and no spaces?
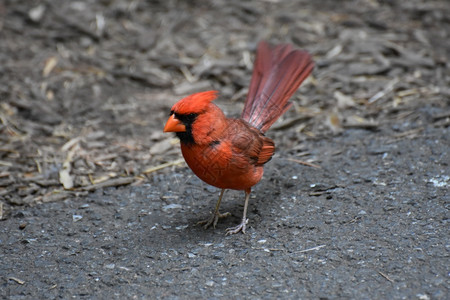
{"x":277,"y":74}
{"x":195,"y":103}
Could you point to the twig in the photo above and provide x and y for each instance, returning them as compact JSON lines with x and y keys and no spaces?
{"x":389,"y":87}
{"x":310,"y":249}
{"x":304,"y":163}
{"x":410,"y":133}
{"x":385,"y":276}
{"x":269,"y":249}
{"x":19,"y":281}
{"x":300,"y":251}
{"x":162,"y":166}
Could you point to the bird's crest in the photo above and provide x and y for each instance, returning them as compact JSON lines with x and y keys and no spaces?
{"x":195,"y":103}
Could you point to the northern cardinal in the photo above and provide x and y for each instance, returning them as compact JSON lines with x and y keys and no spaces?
{"x":230,"y":153}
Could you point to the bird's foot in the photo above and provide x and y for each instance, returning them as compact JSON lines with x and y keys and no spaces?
{"x":213,"y":219}
{"x":240,"y":228}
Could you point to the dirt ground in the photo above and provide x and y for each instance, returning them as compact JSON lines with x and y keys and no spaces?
{"x":96,"y":202}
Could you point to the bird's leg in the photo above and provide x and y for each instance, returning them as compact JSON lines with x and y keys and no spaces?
{"x":242,"y":225}
{"x":216,"y":215}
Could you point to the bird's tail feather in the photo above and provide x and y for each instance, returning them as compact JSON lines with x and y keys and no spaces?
{"x":277,"y":74}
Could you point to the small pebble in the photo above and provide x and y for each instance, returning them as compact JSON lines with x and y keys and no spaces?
{"x":76,"y":218}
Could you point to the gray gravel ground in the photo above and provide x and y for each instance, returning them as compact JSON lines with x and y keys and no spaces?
{"x":371,"y":223}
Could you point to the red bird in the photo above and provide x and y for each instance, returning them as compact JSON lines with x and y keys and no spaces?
{"x":230,"y":153}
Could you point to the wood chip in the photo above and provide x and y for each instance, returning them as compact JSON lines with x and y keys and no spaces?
{"x":108,"y":183}
{"x":64,"y":176}
{"x":343,"y":101}
{"x":56,"y":195}
{"x":50,"y":64}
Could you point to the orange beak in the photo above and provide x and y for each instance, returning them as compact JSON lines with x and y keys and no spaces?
{"x":174,"y":125}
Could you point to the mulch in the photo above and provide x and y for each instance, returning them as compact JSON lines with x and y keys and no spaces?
{"x":86,"y":86}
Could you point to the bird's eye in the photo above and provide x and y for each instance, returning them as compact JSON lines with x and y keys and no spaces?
{"x":191,"y":115}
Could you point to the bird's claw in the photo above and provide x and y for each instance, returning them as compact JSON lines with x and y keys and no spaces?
{"x":240,"y":228}
{"x":213,"y":220}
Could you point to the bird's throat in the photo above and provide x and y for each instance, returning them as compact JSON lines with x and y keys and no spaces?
{"x":186,"y":137}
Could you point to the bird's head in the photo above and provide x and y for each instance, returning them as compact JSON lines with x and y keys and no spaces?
{"x":189,"y":110}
